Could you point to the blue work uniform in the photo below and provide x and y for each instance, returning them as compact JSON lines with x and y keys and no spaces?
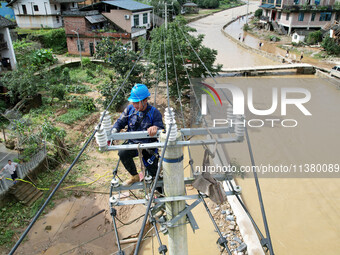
{"x":139,"y":121}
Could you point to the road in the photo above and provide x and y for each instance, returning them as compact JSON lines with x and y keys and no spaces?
{"x":229,"y":54}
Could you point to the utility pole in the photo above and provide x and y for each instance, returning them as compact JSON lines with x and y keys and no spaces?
{"x":247,"y":11}
{"x":173,"y":177}
{"x":166,"y":15}
{"x":79,"y":47}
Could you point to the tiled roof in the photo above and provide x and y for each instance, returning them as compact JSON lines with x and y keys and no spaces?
{"x":6,"y":22}
{"x":128,"y":5}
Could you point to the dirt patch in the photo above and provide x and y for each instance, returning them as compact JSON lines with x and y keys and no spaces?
{"x":55,"y":234}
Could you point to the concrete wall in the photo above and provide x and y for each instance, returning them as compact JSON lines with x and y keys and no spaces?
{"x":72,"y":45}
{"x":294,"y":22}
{"x":38,"y":21}
{"x":118,"y":17}
{"x":39,"y":13}
{"x":9,"y":53}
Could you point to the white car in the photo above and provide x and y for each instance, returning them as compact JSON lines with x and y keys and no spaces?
{"x":336,"y":71}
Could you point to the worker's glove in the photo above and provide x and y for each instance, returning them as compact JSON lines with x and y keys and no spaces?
{"x":114,"y":130}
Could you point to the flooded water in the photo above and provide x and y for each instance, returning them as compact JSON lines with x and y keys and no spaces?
{"x":235,"y":29}
{"x":303,"y":213}
{"x":229,"y":54}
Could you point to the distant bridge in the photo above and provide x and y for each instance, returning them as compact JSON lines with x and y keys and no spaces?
{"x":299,"y":67}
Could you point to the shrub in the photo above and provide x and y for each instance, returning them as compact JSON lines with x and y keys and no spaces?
{"x":246,"y":27}
{"x":258,"y":13}
{"x":210,"y":4}
{"x":86,"y":61}
{"x":73,"y":115}
{"x":42,"y":57}
{"x":54,"y":39}
{"x":330,"y":45}
{"x":314,"y":37}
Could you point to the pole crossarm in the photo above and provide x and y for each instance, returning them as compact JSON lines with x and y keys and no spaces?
{"x":162,"y":199}
{"x":176,"y":144}
{"x":184,"y":131}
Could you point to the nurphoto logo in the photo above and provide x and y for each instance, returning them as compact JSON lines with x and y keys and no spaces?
{"x":279,"y":98}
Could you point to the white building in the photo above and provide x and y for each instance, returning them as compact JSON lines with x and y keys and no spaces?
{"x":41,"y":13}
{"x":7,"y":56}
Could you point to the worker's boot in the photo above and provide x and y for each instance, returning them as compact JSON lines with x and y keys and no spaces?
{"x":131,"y":180}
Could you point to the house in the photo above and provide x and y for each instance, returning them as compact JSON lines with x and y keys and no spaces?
{"x":117,"y":19}
{"x":7,"y":56}
{"x":39,"y":14}
{"x":288,"y":15}
{"x":300,"y":35}
{"x":189,"y":7}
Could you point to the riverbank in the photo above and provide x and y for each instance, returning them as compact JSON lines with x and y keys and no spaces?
{"x":251,"y":39}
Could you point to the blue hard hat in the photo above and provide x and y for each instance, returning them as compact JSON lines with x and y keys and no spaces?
{"x":138,"y":93}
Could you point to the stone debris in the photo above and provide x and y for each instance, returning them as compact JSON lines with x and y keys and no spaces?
{"x":235,"y":238}
{"x":223,"y":212}
{"x":242,"y":247}
{"x":230,"y":217}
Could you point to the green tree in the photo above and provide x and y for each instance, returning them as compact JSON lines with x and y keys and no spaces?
{"x":121,"y":59}
{"x":330,"y":45}
{"x":314,"y":37}
{"x":177,"y":49}
{"x":21,"y":83}
{"x":258,"y":13}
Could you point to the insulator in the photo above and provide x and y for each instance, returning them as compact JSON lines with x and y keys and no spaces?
{"x":163,"y":229}
{"x":238,"y":189}
{"x":169,"y":117}
{"x":101,"y":138}
{"x":240,"y":127}
{"x":230,"y":116}
{"x":106,"y":124}
{"x":148,"y":179}
{"x":115,"y":182}
{"x":114,"y":201}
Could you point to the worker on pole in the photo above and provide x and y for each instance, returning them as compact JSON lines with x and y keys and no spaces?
{"x":139,"y":116}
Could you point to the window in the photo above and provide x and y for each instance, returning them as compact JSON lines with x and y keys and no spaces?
{"x":296,"y":1}
{"x":270,"y":1}
{"x":55,"y":7}
{"x":287,"y":16}
{"x":278,"y":2}
{"x":82,"y":48}
{"x":337,"y":17}
{"x":325,"y":16}
{"x":24,"y":9}
{"x":136,"y":20}
{"x":313,"y":16}
{"x":36,"y":8}
{"x":145,"y":18}
{"x":58,"y":19}
{"x":301,"y":16}
{"x":317,"y":2}
{"x":295,"y":37}
{"x":279,"y":15}
{"x":72,"y":4}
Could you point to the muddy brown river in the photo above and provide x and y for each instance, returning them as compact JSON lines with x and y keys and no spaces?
{"x":303,"y":213}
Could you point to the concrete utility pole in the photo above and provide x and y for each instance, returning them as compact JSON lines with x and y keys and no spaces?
{"x":166,"y":15}
{"x":247,"y":11}
{"x":79,"y":47}
{"x":173,"y":177}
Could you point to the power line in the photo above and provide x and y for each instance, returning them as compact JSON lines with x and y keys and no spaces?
{"x":251,"y":157}
{"x":73,"y":163}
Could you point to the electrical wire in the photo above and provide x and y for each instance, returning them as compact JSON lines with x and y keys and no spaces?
{"x":73,"y":163}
